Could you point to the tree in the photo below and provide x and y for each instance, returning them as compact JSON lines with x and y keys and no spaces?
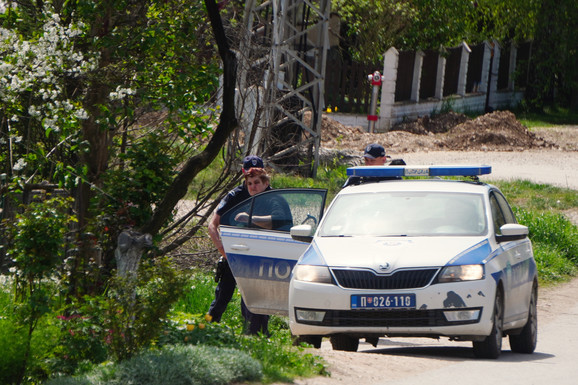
{"x":108,"y":99}
{"x":372,"y":26}
{"x":553,"y":77}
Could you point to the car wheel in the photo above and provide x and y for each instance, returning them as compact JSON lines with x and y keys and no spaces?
{"x":525,"y":342}
{"x":311,"y":340}
{"x":344,"y":342}
{"x":491,"y":346}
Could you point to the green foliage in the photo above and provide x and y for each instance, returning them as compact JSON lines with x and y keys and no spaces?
{"x":36,"y":246}
{"x":552,"y":266}
{"x":176,"y":365}
{"x":436,"y":23}
{"x":553,"y":76}
{"x":280,"y":361}
{"x":554,"y":237}
{"x":12,"y":340}
{"x":549,"y":117}
{"x":130,"y":316}
{"x":37,"y":239}
{"x":552,"y":229}
{"x":17,"y":352}
{"x":538,"y":197}
{"x":148,"y":168}
{"x":329,"y":177}
{"x":372,"y":26}
{"x":555,"y":241}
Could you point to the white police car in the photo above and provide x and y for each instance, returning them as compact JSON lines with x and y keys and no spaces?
{"x":410,"y":258}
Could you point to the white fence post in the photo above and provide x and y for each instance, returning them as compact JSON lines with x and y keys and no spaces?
{"x":417,"y":66}
{"x":440,"y":77}
{"x":390,"y":63}
{"x":463,"y":75}
{"x":485,"y":67}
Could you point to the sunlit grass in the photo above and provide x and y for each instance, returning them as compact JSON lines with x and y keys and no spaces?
{"x":550,"y":118}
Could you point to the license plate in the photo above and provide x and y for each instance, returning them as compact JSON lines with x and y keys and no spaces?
{"x":392,"y":301}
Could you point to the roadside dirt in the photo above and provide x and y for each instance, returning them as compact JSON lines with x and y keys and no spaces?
{"x":546,"y":155}
{"x":496,"y":131}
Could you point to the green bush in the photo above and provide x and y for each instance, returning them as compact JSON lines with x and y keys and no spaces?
{"x":17,"y":355}
{"x":555,"y":241}
{"x":13,"y":342}
{"x":175,"y":365}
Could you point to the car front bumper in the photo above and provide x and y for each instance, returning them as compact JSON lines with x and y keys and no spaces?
{"x":459,"y":309}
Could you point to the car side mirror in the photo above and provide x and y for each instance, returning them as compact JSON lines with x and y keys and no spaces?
{"x":512,"y":232}
{"x":302,"y":233}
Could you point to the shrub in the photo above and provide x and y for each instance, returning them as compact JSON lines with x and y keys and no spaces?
{"x":555,"y":241}
{"x":175,"y":365}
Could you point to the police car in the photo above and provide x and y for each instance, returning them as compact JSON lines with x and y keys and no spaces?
{"x":393,"y":257}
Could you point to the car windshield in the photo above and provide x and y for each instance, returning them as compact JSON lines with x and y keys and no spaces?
{"x":405,"y":214}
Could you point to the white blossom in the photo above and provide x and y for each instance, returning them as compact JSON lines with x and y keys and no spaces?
{"x":121,"y":93}
{"x":19,"y":165}
{"x":81,"y":114}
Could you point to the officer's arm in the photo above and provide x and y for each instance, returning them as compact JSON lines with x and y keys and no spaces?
{"x":214,"y":232}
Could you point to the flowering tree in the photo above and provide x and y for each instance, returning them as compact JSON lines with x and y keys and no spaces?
{"x":106,"y":98}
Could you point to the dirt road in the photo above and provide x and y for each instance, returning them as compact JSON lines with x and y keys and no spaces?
{"x":558,"y":168}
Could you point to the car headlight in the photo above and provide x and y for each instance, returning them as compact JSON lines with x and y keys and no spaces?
{"x":461,"y":273}
{"x":311,"y":273}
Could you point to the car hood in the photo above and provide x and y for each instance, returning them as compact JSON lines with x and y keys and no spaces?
{"x":390,"y":253}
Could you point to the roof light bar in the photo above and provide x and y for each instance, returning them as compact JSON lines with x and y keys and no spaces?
{"x":397,"y":171}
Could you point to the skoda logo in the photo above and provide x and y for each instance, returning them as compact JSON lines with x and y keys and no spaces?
{"x":384,"y":266}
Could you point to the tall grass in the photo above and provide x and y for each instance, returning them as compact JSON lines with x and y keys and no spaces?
{"x":280,"y":360}
{"x":555,"y":239}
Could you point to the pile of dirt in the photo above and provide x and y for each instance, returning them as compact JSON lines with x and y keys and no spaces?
{"x":495,"y":131}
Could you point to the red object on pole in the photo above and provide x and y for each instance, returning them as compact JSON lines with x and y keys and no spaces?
{"x":376,"y":79}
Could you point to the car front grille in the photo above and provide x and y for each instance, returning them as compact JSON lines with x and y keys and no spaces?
{"x":364,"y":279}
{"x":387,"y":318}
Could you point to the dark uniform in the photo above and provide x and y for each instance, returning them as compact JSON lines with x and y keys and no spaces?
{"x":226,"y":286}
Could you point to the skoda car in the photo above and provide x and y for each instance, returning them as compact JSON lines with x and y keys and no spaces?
{"x":393,"y":256}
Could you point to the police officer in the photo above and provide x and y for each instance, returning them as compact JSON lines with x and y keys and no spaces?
{"x":257,"y":323}
{"x":374,"y":155}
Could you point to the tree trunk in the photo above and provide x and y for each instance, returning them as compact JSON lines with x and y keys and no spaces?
{"x":129,"y":250}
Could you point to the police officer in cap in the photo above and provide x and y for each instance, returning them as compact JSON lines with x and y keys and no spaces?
{"x":257,"y":323}
{"x":374,"y":155}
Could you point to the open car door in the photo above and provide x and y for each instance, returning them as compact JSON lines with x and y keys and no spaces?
{"x":262,"y":259}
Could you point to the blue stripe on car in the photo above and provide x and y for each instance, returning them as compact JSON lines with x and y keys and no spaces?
{"x":312,"y":256}
{"x":261,"y":268}
{"x":474,"y":255}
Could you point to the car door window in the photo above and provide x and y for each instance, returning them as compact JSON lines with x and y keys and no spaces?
{"x":501,"y":211}
{"x":286,"y":208}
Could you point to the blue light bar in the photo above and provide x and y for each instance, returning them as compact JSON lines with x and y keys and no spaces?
{"x":398,"y":171}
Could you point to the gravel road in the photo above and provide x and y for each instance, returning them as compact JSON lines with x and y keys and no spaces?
{"x":558,"y":168}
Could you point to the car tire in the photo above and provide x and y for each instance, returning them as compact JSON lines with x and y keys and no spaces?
{"x":344,"y":342}
{"x":491,"y":346}
{"x":526,"y":341}
{"x":315,"y":341}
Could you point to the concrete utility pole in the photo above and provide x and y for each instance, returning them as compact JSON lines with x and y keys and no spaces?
{"x":289,"y":38}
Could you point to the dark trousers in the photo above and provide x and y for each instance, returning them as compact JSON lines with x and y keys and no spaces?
{"x":255,"y":323}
